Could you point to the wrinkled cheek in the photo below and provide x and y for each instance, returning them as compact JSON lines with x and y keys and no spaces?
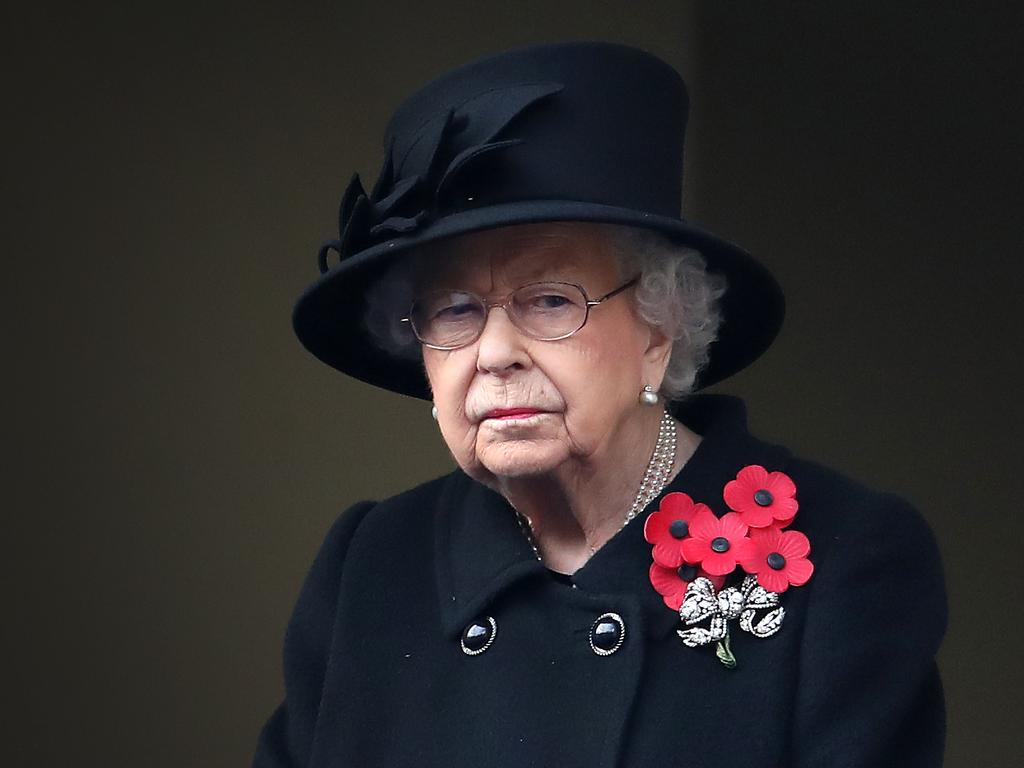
{"x":447,"y":371}
{"x":462,"y":442}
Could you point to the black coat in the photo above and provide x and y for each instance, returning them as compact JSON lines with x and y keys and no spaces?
{"x":375,"y":674}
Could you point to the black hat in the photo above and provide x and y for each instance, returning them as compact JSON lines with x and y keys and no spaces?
{"x":564,"y":132}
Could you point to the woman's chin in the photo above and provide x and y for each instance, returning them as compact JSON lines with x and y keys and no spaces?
{"x":523,"y":458}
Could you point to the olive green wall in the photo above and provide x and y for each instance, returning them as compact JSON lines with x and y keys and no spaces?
{"x":177,"y":457}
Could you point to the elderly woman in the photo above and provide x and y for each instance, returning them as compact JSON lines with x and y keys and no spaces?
{"x":617,"y":573}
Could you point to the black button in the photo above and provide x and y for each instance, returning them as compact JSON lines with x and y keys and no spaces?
{"x":607,"y":634}
{"x":679,"y":529}
{"x":720,"y":544}
{"x":478,"y":636}
{"x":776,"y":561}
{"x":763,"y":498}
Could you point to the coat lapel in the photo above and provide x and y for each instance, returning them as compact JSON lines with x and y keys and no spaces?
{"x":481,"y":551}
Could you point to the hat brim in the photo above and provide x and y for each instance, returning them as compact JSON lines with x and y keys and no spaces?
{"x":329,"y":316}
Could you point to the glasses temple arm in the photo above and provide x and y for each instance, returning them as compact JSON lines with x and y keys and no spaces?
{"x":620,"y":289}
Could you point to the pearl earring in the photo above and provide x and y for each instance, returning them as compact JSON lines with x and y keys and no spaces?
{"x":433,"y":412}
{"x":648,"y":396}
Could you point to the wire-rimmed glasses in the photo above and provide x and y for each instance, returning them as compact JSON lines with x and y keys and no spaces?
{"x":547,"y":311}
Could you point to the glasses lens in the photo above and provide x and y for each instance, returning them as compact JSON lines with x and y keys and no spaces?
{"x":447,"y":318}
{"x":549,"y":310}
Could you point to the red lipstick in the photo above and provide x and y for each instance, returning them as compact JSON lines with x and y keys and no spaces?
{"x":511,"y":413}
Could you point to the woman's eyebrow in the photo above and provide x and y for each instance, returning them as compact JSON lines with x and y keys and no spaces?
{"x":537,"y":272}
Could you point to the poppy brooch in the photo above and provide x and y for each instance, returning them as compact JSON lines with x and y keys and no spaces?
{"x":699,"y":558}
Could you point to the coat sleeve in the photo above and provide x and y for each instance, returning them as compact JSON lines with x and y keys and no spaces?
{"x":287,"y":738}
{"x":869,"y":692}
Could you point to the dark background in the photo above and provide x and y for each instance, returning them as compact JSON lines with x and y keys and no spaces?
{"x":176,"y":457}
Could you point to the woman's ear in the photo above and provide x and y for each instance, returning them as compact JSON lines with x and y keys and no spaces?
{"x":656,"y":356}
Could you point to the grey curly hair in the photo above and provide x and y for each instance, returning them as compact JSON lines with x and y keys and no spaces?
{"x":674,"y":293}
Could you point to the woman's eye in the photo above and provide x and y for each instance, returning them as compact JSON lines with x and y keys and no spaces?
{"x":455,"y":311}
{"x":550,"y":301}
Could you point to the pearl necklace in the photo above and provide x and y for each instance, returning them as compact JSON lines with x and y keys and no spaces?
{"x":656,"y":477}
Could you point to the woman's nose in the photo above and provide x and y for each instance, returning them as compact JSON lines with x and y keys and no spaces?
{"x":501,"y":347}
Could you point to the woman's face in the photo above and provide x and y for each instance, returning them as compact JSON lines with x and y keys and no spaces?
{"x":571,"y":399}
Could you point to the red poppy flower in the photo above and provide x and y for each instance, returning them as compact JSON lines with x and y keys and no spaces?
{"x":669,"y":525}
{"x":778,"y":558}
{"x":763,"y":498}
{"x":716,"y":544}
{"x":671,"y":583}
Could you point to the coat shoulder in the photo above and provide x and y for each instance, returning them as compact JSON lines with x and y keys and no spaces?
{"x":411,"y":511}
{"x":840,"y":506}
{"x":405,"y":520}
{"x":873,"y":539}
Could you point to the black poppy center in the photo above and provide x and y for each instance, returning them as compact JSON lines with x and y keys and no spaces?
{"x":763,"y":498}
{"x":679,"y":529}
{"x":687,"y":572}
{"x":776,"y":561}
{"x":720,"y":544}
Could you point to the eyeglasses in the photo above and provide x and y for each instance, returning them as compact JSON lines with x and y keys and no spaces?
{"x":449,"y":319}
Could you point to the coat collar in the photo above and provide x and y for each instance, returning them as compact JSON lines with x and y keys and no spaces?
{"x":482,"y":552}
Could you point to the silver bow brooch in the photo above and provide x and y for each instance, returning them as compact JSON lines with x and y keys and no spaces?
{"x":741,"y":602}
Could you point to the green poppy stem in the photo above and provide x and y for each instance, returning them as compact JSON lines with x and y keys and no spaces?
{"x":724,"y":653}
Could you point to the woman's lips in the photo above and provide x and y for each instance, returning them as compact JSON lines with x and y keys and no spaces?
{"x":512,"y":413}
